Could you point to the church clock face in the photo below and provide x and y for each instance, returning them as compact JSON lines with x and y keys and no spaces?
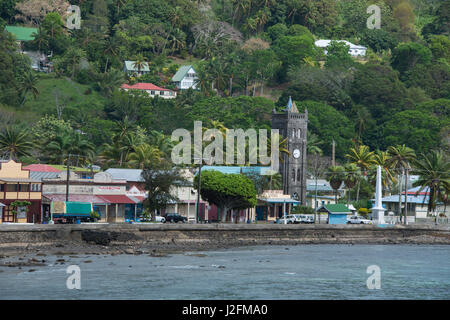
{"x":296,"y":153}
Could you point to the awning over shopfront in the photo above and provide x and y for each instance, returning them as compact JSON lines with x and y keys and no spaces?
{"x":119,"y":199}
{"x":278,"y":200}
{"x":2,"y":205}
{"x":76,"y":197}
{"x":137,"y":199}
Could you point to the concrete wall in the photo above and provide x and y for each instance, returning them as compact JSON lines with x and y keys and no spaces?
{"x":214,"y":235}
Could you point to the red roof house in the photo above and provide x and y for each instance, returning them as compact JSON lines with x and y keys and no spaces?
{"x":151,"y":89}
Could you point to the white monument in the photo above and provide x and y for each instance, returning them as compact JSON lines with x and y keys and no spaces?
{"x":378,"y":210}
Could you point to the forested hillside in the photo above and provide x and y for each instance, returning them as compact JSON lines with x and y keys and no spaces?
{"x":250,"y":56}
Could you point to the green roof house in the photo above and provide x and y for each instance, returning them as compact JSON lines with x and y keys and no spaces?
{"x":22,"y":33}
{"x":185,"y":78}
{"x":131,"y":68}
{"x":337,"y":213}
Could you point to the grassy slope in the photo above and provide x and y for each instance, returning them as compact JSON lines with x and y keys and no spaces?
{"x":71,"y":94}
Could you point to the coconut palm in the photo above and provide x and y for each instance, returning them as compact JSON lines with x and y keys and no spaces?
{"x":112,"y":153}
{"x":111,"y":49}
{"x":143,"y":156}
{"x":140,"y":63}
{"x":352,"y":176}
{"x":361,"y":156}
{"x":387,"y":177}
{"x":282,"y":146}
{"x":73,"y":57}
{"x":313,"y":144}
{"x":335,"y":176}
{"x":434,"y":173}
{"x":400,"y":157}
{"x":15,"y":142}
{"x":28,"y":84}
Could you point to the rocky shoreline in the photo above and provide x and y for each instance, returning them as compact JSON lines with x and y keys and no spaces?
{"x":27,"y":246}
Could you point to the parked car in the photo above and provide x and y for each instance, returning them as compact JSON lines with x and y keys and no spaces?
{"x":290,"y":219}
{"x":358,"y":220}
{"x":306,"y":219}
{"x":160,"y":219}
{"x":175,"y":217}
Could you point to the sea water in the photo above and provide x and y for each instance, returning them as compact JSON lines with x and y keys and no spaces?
{"x":261,"y":272}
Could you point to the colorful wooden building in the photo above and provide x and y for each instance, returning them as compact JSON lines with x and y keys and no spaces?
{"x":20,"y":195}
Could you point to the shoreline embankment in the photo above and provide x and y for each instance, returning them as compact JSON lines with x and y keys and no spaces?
{"x":172,"y":238}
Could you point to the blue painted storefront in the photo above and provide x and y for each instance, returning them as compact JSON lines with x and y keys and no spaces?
{"x":337,"y":218}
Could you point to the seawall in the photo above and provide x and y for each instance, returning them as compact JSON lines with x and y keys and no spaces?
{"x":131,"y":238}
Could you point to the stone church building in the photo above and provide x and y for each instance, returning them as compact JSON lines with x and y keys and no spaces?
{"x":293,"y":125}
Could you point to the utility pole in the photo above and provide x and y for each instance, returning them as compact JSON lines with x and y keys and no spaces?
{"x":400,"y":177}
{"x":67,"y":180}
{"x":198,"y":192}
{"x":406,"y":197}
{"x":333,"y":154}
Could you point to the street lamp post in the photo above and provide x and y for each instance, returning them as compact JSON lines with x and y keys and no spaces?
{"x":198,"y":192}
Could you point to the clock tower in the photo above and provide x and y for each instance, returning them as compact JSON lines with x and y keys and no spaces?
{"x":293,"y":126}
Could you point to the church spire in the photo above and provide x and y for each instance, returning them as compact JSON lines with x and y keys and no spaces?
{"x":291,"y":106}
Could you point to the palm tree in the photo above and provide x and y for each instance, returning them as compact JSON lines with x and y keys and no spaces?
{"x":74,"y":55}
{"x":352,"y":176}
{"x":81,"y":148}
{"x":362,"y":115}
{"x":361,"y":156}
{"x":282,"y":147}
{"x":335,"y":176}
{"x":60,"y":147}
{"x":112,"y":153}
{"x":434,"y":173}
{"x":400,"y":158}
{"x":28,"y":83}
{"x":387,"y":177}
{"x":140,"y":63}
{"x":15,"y":142}
{"x":313,"y":144}
{"x":143,"y":156}
{"x":111,"y":49}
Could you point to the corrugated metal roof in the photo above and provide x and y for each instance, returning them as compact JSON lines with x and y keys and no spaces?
{"x":133,"y":175}
{"x":278,"y":200}
{"x":116,"y":199}
{"x":144,"y":86}
{"x":43,"y":175}
{"x":22,"y":33}
{"x":181,"y":73}
{"x":41,"y":168}
{"x":237,"y":169}
{"x":337,"y":208}
{"x":129,"y":65}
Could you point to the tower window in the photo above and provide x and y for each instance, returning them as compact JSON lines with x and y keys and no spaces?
{"x":293,"y":133}
{"x":299,"y":133}
{"x":298,"y":174}
{"x":293,"y":175}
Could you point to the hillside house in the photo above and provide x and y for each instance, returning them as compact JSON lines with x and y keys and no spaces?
{"x":151,"y":89}
{"x":354,"y":49}
{"x":131,"y":68}
{"x":185,"y":78}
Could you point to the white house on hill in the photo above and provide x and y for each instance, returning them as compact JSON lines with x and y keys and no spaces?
{"x":354,"y":49}
{"x":185,"y":78}
{"x":151,"y":89}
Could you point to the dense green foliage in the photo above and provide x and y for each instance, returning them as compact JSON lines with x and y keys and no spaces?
{"x":250,"y":56}
{"x":227,"y":191}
